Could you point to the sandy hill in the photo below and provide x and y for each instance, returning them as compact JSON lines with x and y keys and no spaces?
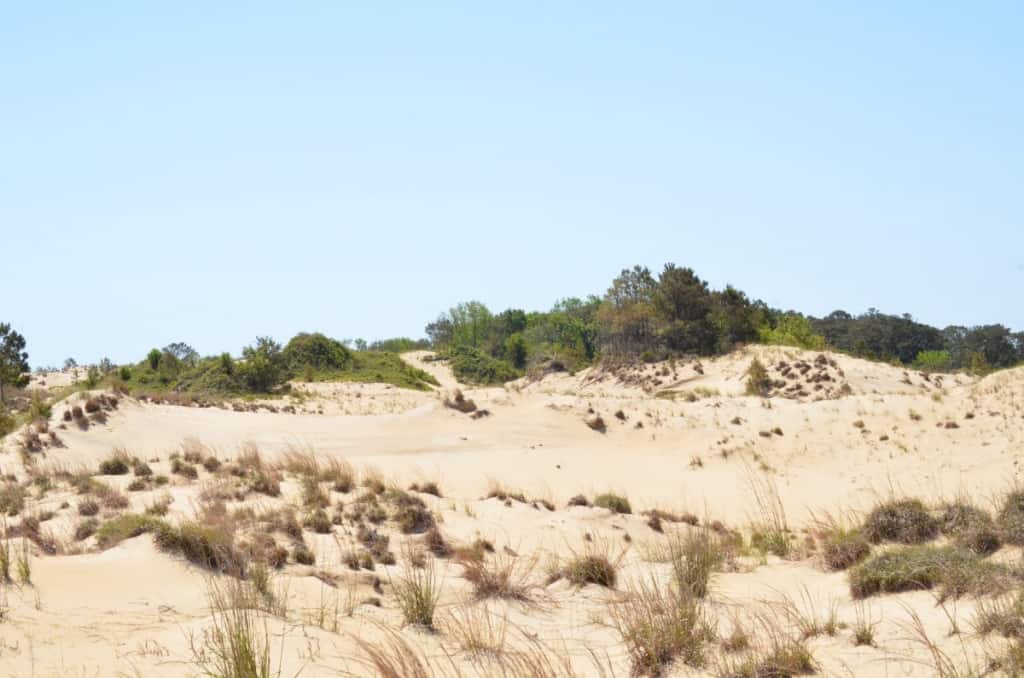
{"x":837,"y":436}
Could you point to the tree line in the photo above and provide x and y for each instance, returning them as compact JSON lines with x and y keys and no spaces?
{"x":644,"y":316}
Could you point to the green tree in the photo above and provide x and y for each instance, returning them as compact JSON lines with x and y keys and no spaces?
{"x":515,"y":350}
{"x":792,"y":329}
{"x":933,"y":361}
{"x":263,"y":365}
{"x":153,"y":358}
{"x":13,"y":359}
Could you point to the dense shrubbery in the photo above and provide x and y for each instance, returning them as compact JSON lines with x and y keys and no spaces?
{"x":265,"y":367}
{"x":472,"y":366}
{"x":647,"y":317}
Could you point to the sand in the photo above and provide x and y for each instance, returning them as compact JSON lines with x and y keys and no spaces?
{"x":680,"y":437}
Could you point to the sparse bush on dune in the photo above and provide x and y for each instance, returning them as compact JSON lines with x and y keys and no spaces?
{"x":613,"y":502}
{"x":843,"y":548}
{"x":458,"y":401}
{"x":956,"y":571}
{"x":970,"y":527}
{"x":598,"y":563}
{"x":907,"y":521}
{"x":1011,"y":517}
{"x":758,"y":381}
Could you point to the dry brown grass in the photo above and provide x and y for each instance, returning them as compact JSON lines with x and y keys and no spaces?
{"x":501,"y":575}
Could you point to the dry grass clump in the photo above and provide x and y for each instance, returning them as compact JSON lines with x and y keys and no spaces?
{"x":759,"y":383}
{"x":237,"y":643}
{"x":970,"y":527}
{"x":1003,"y":615}
{"x":117,"y":464}
{"x":125,"y":526}
{"x":659,"y":625}
{"x":496,"y":490}
{"x":208,"y":545}
{"x":694,"y":556}
{"x":377,"y":544}
{"x":578,"y":500}
{"x":1011,"y":517}
{"x":842,"y":547}
{"x":429,"y":487}
{"x":477,"y":630}
{"x":769,"y":528}
{"x":411,"y":514}
{"x":598,"y":563}
{"x":613,"y":502}
{"x":956,"y":571}
{"x":86,"y":528}
{"x":417,"y":592}
{"x":12,"y":498}
{"x":183,"y":469}
{"x":318,"y":521}
{"x":457,"y":401}
{"x":907,"y":521}
{"x":597,"y":423}
{"x":500,"y":576}
{"x":436,"y":543}
{"x":88,"y":507}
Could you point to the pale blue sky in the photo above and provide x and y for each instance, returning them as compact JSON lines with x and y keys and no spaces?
{"x":208,"y":172}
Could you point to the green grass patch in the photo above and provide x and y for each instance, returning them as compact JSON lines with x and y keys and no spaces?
{"x":956,"y":571}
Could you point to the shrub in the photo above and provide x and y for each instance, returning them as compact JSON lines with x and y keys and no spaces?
{"x":208,"y":546}
{"x":503,"y":576}
{"x":117,"y":465}
{"x":1011,"y":518}
{"x":318,"y":522}
{"x":594,"y":566}
{"x":86,"y":529}
{"x":302,"y":555}
{"x":597,"y":423}
{"x":903,"y":520}
{"x":970,"y":527}
{"x":88,"y":507}
{"x":956,"y":570}
{"x":235,"y":646}
{"x":458,"y":401}
{"x":125,"y":526}
{"x":315,"y":351}
{"x":843,"y":548}
{"x":613,"y":502}
{"x":411,"y":513}
{"x":758,"y":381}
{"x":12,"y":498}
{"x":184,"y":469}
{"x":471,"y":366}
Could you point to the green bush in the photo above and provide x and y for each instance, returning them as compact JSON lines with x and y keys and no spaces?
{"x":472,"y":366}
{"x":125,"y":526}
{"x":957,"y":571}
{"x":1011,"y":518}
{"x":933,"y":361}
{"x":315,"y":351}
{"x":613,"y":502}
{"x":903,"y":520}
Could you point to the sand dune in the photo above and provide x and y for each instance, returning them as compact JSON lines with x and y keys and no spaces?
{"x":679,"y":437}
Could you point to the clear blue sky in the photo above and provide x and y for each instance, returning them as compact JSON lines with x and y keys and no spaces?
{"x":208,"y":172}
